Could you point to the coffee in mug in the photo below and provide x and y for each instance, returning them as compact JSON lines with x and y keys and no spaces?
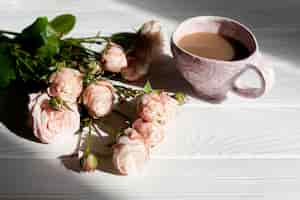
{"x":214,"y":46}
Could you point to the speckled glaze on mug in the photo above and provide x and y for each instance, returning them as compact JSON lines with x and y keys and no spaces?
{"x":212,"y":79}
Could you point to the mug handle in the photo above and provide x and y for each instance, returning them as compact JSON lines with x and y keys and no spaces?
{"x":266,"y":76}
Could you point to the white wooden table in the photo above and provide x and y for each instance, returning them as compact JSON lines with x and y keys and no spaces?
{"x":240,"y":149}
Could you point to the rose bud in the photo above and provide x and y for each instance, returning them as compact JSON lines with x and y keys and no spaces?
{"x":130,"y":153}
{"x":47,"y":122}
{"x":89,"y":163}
{"x":114,"y":58}
{"x":152,"y":132}
{"x":98,"y":98}
{"x":148,"y":48}
{"x":150,"y":41}
{"x":66,"y":83}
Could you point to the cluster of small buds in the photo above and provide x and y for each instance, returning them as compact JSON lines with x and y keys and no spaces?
{"x":131,"y":151}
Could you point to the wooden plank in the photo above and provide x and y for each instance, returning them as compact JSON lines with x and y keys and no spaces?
{"x":163,"y":179}
{"x":241,"y":149}
{"x":197,"y":133}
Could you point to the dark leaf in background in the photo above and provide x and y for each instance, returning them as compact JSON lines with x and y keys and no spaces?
{"x":7,"y":70}
{"x":125,"y":39}
{"x":4,"y":39}
{"x":36,"y":35}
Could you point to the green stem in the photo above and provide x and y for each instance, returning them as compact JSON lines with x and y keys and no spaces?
{"x":92,"y":38}
{"x":88,"y":145}
{"x":95,"y":39}
{"x":128,"y":92}
{"x":88,"y":50}
{"x":78,"y":142}
{"x":91,"y":42}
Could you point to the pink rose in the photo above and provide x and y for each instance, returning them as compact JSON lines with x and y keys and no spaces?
{"x":48,"y":122}
{"x":98,"y":98}
{"x":152,"y":132}
{"x":66,"y":83}
{"x":154,"y":107}
{"x":130,"y":153}
{"x":114,"y":58}
{"x":148,"y":48}
{"x":150,"y":41}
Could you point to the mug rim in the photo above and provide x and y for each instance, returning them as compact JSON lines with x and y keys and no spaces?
{"x":256,"y":49}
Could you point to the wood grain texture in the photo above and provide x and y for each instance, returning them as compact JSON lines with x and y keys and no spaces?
{"x":214,"y":132}
{"x":240,"y":149}
{"x":165,"y":179}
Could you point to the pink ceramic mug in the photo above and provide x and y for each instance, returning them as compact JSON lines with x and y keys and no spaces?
{"x":212,"y":79}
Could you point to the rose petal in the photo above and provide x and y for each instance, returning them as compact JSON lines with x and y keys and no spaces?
{"x":47,"y":122}
{"x":66,"y":84}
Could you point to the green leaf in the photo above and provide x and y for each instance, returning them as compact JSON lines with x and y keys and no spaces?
{"x":7,"y":70}
{"x":36,"y":35}
{"x":41,"y":37}
{"x":50,"y":49}
{"x":63,"y":24}
{"x":180,"y":97}
{"x":54,"y":103}
{"x":148,"y":88}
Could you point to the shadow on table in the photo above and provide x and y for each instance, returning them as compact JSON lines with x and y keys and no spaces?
{"x":164,"y":75}
{"x":277,"y":34}
{"x":13,"y":109}
{"x":14,"y":115}
{"x":100,"y":146}
{"x":14,"y":112}
{"x":246,"y":11}
{"x":72,"y":162}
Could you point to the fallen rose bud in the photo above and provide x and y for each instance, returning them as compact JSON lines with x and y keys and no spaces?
{"x":89,"y":163}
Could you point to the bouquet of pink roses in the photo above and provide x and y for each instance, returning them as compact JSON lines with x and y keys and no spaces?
{"x":78,"y":85}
